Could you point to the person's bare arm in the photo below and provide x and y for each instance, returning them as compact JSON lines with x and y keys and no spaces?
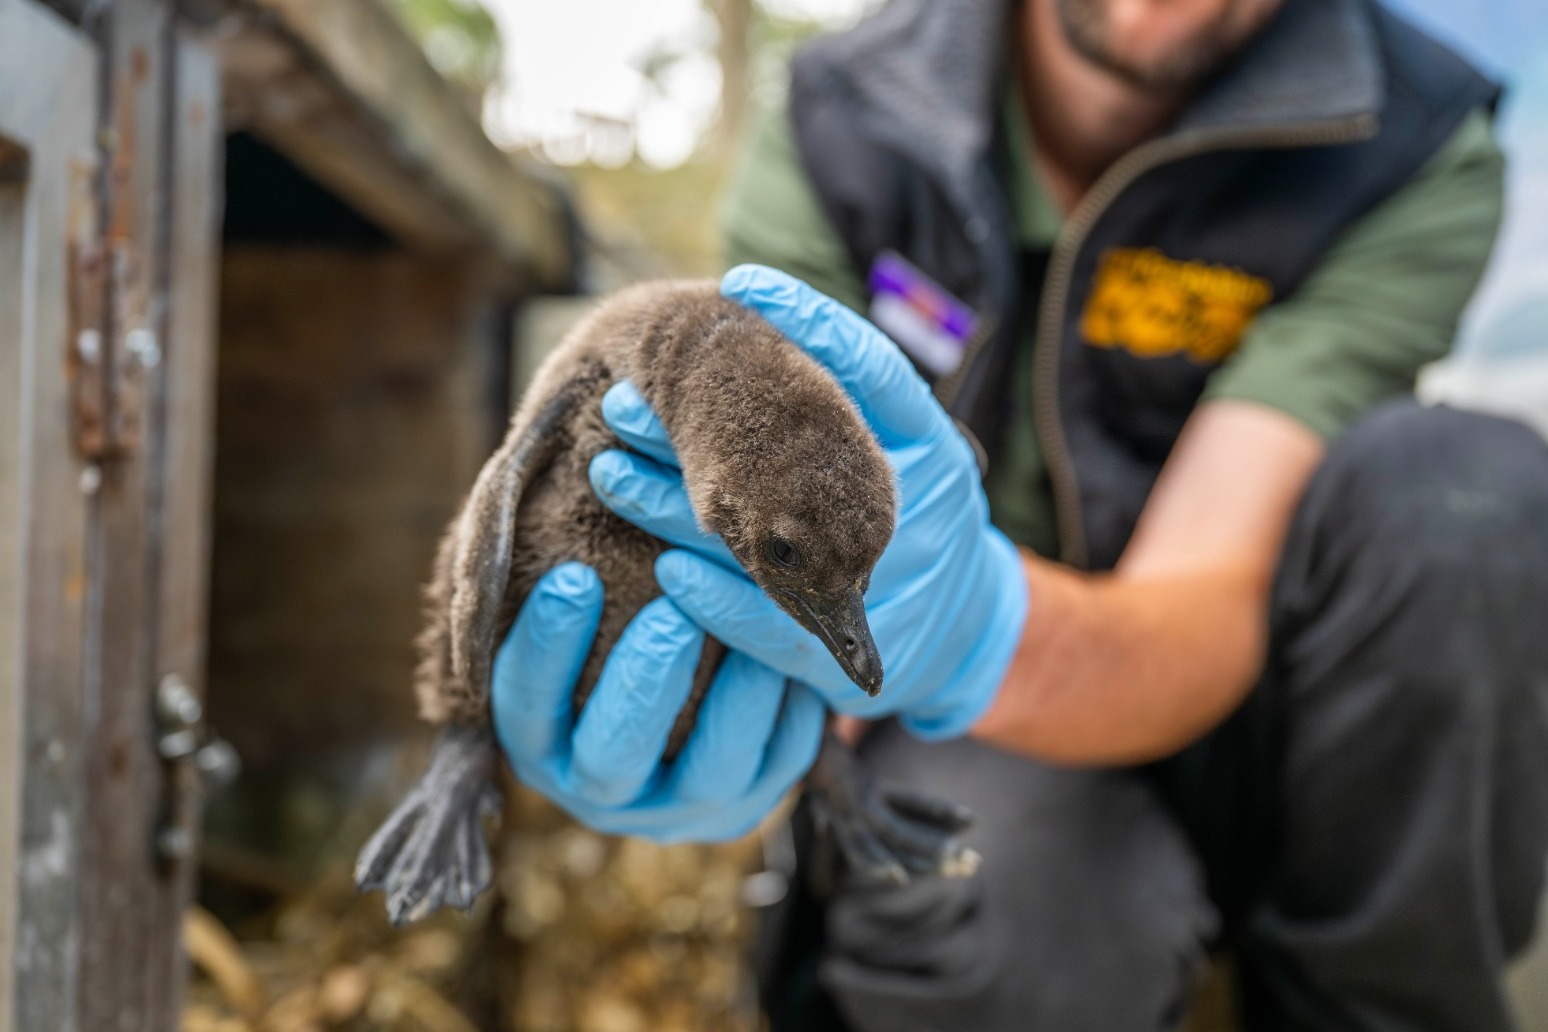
{"x":1133,"y":665}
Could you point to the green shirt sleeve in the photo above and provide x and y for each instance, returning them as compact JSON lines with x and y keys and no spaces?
{"x":1384,"y":301}
{"x":770,"y":215}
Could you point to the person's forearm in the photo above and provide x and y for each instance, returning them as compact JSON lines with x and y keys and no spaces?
{"x":1116,"y":669}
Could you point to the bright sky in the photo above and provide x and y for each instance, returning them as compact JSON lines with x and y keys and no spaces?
{"x":573,"y":82}
{"x":1510,"y":39}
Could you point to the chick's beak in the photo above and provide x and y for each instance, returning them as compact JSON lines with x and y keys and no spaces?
{"x":841,"y":624}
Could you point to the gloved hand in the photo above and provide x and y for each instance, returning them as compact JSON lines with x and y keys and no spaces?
{"x":754,"y":738}
{"x":948,"y":598}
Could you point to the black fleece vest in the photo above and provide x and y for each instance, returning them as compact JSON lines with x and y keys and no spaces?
{"x":1332,"y":109}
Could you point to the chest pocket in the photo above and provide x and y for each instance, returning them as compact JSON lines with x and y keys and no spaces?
{"x":1153,"y":306}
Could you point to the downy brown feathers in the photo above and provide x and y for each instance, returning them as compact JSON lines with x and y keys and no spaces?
{"x":770,"y":447}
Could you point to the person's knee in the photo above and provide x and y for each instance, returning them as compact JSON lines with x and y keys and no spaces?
{"x":1420,"y":546}
{"x":1432,"y":485}
{"x":1418,"y":508}
{"x":1088,"y":912}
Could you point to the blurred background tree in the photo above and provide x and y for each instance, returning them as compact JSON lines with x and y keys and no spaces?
{"x":641,"y":105}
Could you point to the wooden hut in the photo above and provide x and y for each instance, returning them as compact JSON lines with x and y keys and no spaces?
{"x":258,"y":266}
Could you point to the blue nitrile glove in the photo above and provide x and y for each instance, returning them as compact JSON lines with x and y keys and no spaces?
{"x":754,"y":738}
{"x":948,"y":598}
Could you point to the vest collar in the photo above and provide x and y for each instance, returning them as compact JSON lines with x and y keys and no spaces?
{"x":930,"y":70}
{"x":1316,"y":62}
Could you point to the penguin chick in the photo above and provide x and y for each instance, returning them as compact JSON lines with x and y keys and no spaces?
{"x":776,"y":461}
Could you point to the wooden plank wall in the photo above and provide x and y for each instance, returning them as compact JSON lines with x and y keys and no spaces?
{"x":116,"y":125}
{"x":118,"y":873}
{"x":47,"y":109}
{"x":354,"y":414}
{"x":149,"y":534}
{"x":186,"y":422}
{"x":13,"y":220}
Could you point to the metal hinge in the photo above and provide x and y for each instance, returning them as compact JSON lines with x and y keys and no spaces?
{"x":108,"y":379}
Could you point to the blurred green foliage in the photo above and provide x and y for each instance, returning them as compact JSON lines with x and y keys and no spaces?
{"x":459,"y":37}
{"x":772,"y":40}
{"x":653,"y":222}
{"x":666,"y":221}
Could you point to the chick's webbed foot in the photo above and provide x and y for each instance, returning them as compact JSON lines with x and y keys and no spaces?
{"x":884,"y":834}
{"x":431,"y":851}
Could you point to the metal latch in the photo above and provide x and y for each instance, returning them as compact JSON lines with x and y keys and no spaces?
{"x":198,"y":761}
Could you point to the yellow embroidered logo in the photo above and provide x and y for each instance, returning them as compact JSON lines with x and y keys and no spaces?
{"x":1152,"y":305}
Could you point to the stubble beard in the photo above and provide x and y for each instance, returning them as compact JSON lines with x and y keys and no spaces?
{"x":1085,"y":25}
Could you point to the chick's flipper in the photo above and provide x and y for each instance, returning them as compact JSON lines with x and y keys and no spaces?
{"x":472,"y":579}
{"x":431,"y":851}
{"x":883,"y":834}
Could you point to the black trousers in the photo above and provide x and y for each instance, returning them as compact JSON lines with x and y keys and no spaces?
{"x":1367,"y":834}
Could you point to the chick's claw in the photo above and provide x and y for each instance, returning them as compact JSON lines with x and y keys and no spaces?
{"x":885,"y":835}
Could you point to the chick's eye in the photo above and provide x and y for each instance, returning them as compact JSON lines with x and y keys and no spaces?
{"x":784,"y":553}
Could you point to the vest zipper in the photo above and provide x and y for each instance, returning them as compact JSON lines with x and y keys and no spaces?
{"x":1061,"y":270}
